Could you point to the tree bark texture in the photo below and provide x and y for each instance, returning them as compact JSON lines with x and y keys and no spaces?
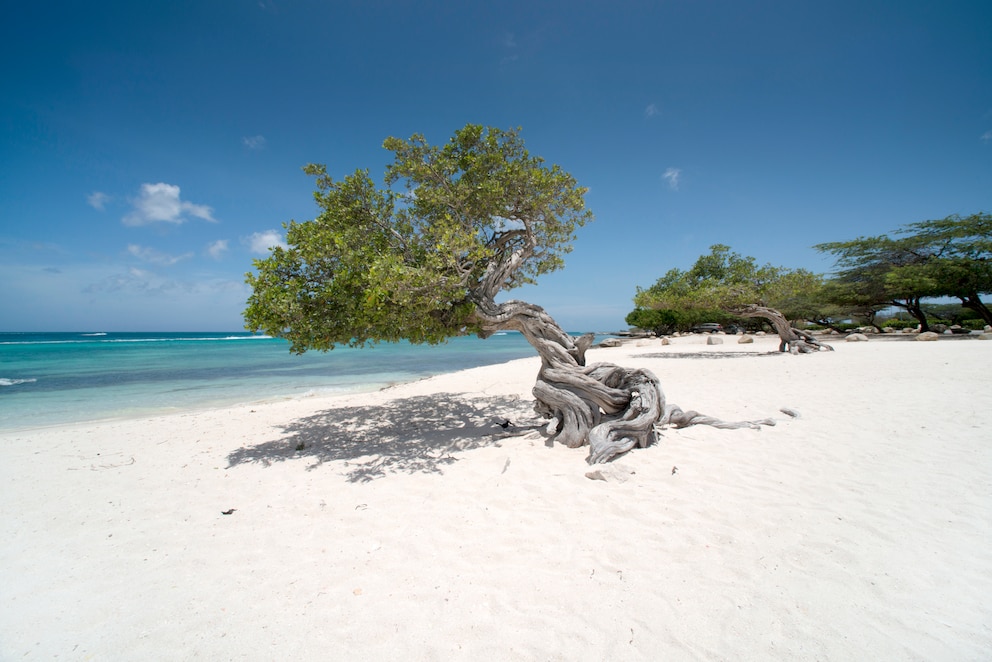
{"x":793,"y":340}
{"x":610,"y":408}
{"x":975,"y":303}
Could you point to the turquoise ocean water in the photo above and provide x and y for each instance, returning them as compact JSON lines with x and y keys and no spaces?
{"x":56,"y":378}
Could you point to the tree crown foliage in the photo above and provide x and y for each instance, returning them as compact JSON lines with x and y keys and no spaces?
{"x":725,"y":280}
{"x":452,"y":227}
{"x":929,"y":259}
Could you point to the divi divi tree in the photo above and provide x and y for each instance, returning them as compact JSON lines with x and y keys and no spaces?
{"x":424,"y":257}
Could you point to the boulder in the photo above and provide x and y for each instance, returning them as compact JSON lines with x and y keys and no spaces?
{"x":928,"y":336}
{"x":666,"y":341}
{"x":713,"y":340}
{"x":856,"y":337}
{"x":611,"y":342}
{"x":744,"y":340}
{"x":985,"y":336}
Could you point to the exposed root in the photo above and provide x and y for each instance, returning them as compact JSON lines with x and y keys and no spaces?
{"x":677,"y":418}
{"x":611,"y":408}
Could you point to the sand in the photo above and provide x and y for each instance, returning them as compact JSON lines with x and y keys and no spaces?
{"x":410,"y":525}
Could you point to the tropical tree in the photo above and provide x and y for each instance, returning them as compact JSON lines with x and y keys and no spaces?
{"x":929,"y":259}
{"x":727,"y":281}
{"x":424,"y":259}
{"x":955,"y":259}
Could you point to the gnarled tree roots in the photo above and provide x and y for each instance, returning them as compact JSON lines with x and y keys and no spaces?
{"x":610,"y":408}
{"x":613,"y":409}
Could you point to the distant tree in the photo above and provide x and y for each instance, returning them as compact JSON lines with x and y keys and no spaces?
{"x":955,"y":259}
{"x":953,"y":313}
{"x":727,"y":281}
{"x":930,"y":259}
{"x":866,"y":264}
{"x":424,"y":258}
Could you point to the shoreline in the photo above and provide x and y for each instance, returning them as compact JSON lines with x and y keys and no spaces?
{"x":407,"y":522}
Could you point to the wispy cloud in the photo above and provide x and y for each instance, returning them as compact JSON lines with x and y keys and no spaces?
{"x":216,"y":249}
{"x":254,"y":142}
{"x":153,"y":256}
{"x":261,"y":242}
{"x":510,"y":48}
{"x":673,"y":176}
{"x":986,"y":137}
{"x":652,"y":110}
{"x":132,"y":279}
{"x":161,"y":203}
{"x":97,"y":200}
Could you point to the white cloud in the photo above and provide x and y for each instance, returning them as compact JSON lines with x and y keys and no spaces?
{"x":261,"y":242}
{"x":155,"y":257}
{"x":651,"y":110}
{"x":217,"y":248}
{"x":673,"y":175}
{"x":986,"y":137}
{"x":161,"y":203}
{"x":97,"y":200}
{"x":254,"y":142}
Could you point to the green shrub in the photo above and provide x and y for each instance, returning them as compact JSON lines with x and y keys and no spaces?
{"x":973,"y":325}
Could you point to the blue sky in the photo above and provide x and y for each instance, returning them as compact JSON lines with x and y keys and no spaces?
{"x":150,"y":150}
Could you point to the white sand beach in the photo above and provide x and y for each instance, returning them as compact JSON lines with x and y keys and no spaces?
{"x":407,"y":524}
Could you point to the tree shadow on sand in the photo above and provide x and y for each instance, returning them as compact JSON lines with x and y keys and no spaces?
{"x":710,"y":355}
{"x":409,"y":435}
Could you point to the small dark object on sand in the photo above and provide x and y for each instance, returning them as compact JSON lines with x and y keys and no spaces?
{"x":227,"y":512}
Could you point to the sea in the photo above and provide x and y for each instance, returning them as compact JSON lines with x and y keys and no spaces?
{"x":58,"y":378}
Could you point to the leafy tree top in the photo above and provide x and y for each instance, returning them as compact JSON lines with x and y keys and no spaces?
{"x":452,"y":227}
{"x":725,"y":280}
{"x":945,"y":257}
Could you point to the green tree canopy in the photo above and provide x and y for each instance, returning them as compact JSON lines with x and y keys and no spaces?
{"x":929,"y":259}
{"x":725,"y":280}
{"x":416,"y":259}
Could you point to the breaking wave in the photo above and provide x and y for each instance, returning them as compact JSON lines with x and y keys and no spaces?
{"x":14,"y":382}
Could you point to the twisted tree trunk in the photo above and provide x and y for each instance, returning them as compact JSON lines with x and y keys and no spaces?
{"x":974,"y":302}
{"x":608,"y":407}
{"x":793,"y":340}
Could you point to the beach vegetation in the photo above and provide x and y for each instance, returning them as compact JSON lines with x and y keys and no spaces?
{"x":948,"y":257}
{"x":665,"y":321}
{"x":424,"y":257}
{"x":739,"y":286}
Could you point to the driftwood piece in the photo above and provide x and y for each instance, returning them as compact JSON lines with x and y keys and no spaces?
{"x":677,"y":418}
